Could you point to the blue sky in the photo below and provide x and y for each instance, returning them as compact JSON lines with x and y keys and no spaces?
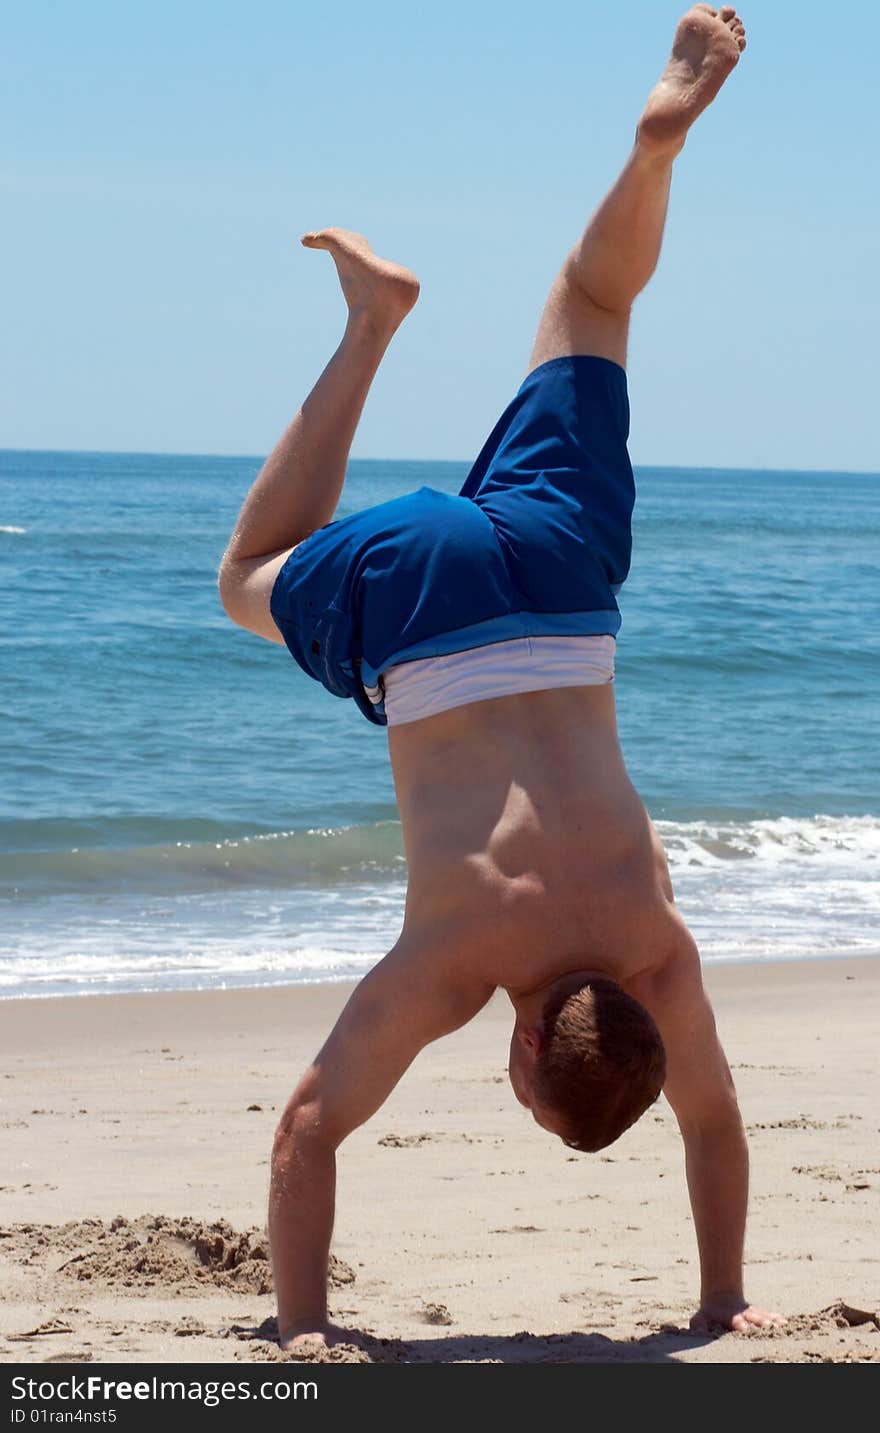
{"x":162,"y":159}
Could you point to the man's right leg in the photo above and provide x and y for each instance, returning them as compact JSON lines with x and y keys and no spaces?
{"x":589,"y":304}
{"x":299,"y":485}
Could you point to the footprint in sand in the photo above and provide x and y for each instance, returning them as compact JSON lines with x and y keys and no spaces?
{"x":46,"y":1329}
{"x":404,"y":1141}
{"x":819,"y":1171}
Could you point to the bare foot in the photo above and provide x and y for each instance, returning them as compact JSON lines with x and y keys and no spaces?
{"x":373,"y":287}
{"x":707,"y":46}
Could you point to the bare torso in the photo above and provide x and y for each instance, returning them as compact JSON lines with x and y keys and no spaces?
{"x":528,"y":847}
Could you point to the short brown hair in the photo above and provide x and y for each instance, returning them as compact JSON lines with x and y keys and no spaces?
{"x":601,"y":1063}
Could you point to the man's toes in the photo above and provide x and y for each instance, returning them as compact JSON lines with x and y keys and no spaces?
{"x":338,"y":240}
{"x":349,"y":241}
{"x":325,"y":237}
{"x":726,"y":13}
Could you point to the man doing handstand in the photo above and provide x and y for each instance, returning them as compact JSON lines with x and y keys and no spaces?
{"x":480,"y":628}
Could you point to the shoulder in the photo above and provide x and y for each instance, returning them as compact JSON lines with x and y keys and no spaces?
{"x":698,"y":1081}
{"x":671,"y":984}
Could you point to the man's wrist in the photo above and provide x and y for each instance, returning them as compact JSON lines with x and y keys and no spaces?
{"x":722,"y":1294}
{"x":304,"y":1323}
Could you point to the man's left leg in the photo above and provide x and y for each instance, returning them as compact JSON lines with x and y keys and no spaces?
{"x":587,"y":311}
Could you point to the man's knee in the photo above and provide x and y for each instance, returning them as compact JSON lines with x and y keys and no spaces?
{"x":229,"y":584}
{"x":245,"y":586}
{"x":609,"y":305}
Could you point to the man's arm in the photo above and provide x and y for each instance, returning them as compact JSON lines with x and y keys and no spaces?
{"x":404,"y":1003}
{"x":700,"y":1089}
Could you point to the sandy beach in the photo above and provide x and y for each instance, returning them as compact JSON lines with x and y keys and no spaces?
{"x":136,"y":1133}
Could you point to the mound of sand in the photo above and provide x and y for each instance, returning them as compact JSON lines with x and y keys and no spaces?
{"x":154,"y":1251}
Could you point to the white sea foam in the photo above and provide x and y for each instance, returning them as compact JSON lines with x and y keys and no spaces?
{"x":841,"y":840}
{"x":7,"y":527}
{"x":778,"y":889}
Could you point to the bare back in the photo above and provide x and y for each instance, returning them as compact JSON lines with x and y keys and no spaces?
{"x":525,"y":836}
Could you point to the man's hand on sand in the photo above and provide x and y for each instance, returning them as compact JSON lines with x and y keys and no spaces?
{"x":325,"y":1335}
{"x":725,"y":1311}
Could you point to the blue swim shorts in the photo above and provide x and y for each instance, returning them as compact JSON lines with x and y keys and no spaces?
{"x":537,"y":543}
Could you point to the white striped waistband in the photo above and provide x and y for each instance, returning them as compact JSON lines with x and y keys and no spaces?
{"x":413,"y":690}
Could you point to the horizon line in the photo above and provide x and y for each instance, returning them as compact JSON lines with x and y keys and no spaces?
{"x":450,"y":462}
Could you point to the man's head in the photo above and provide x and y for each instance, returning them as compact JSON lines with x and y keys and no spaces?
{"x":591,"y":1063}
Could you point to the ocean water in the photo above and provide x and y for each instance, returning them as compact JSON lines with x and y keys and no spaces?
{"x":181,"y":806}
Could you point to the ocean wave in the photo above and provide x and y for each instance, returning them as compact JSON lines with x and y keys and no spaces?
{"x":326,"y":904}
{"x":838,"y":840}
{"x":325,"y":857}
{"x":7,"y":527}
{"x":738,"y":910}
{"x":318,"y":856}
